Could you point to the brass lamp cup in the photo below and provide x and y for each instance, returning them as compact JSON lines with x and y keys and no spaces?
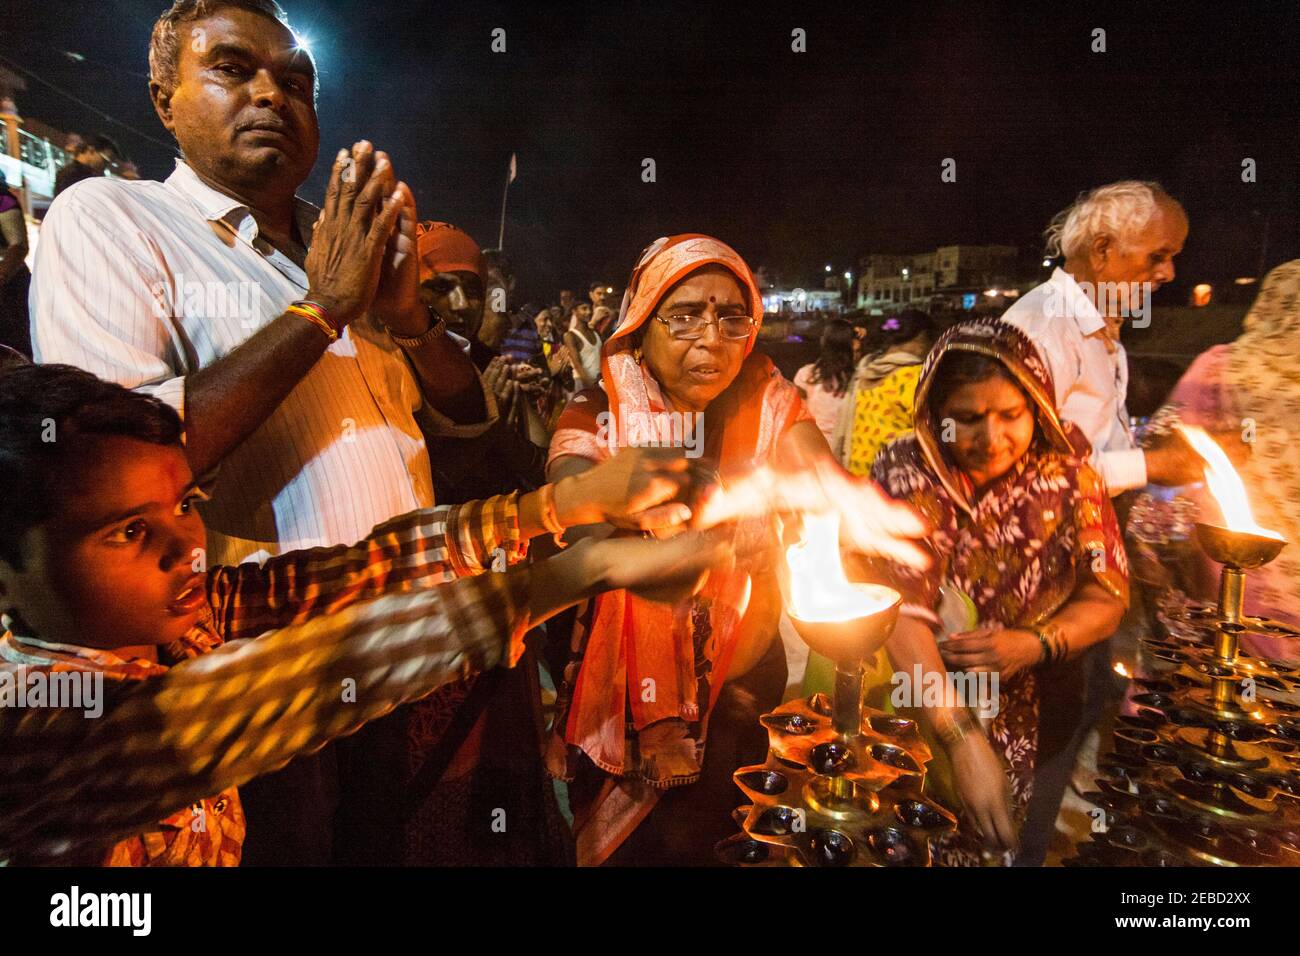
{"x":1238,"y":549}
{"x":854,"y":639}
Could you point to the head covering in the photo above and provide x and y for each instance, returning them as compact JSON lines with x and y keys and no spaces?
{"x":1008,"y":345}
{"x":1261,"y":383}
{"x":667,"y":261}
{"x":444,"y":248}
{"x":623,"y":641}
{"x":663,"y":264}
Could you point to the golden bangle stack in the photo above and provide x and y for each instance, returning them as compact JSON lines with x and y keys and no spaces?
{"x":1053,"y":643}
{"x":317,"y":316}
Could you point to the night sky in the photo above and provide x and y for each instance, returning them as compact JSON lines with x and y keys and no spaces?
{"x":797,"y":159}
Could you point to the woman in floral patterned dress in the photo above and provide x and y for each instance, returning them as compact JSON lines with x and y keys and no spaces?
{"x":1024,"y":529}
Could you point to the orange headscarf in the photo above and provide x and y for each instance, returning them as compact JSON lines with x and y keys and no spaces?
{"x":681,"y":654}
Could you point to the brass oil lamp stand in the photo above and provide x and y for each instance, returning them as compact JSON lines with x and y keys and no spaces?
{"x":1208,"y":770}
{"x":841,"y":785}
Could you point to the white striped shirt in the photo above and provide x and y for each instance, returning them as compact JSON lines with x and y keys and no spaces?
{"x":143,"y":283}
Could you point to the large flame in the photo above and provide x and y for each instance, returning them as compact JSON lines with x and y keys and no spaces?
{"x":870,"y":522}
{"x":1225,"y":484}
{"x":819,"y":589}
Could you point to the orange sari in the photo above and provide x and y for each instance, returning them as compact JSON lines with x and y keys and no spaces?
{"x":644,"y":676}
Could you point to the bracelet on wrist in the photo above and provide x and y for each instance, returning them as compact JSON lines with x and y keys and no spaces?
{"x":549,"y":514}
{"x":436,"y":330}
{"x":962,"y":725}
{"x":1046,"y":655}
{"x":317,"y":315}
{"x":1052,"y":639}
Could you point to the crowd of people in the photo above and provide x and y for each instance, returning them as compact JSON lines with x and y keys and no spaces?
{"x":367,"y":553}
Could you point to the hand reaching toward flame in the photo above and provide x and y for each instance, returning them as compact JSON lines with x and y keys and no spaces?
{"x":1176,"y":458}
{"x":869,"y":521}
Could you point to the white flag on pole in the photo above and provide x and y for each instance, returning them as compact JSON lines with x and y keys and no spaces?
{"x":513,"y":169}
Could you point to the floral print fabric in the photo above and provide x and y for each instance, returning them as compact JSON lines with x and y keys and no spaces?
{"x":1019,"y":549}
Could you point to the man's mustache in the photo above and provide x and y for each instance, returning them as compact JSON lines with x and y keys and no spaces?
{"x":268,"y":124}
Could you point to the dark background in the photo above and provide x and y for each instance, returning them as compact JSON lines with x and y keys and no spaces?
{"x":797,"y":159}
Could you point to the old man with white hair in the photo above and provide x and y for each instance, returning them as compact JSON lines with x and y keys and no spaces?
{"x":1119,"y":242}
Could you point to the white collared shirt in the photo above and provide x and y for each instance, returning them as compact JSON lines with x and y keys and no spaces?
{"x":1090,"y":373}
{"x":143,"y":283}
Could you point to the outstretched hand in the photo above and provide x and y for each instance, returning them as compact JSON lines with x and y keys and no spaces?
{"x":664,"y":571}
{"x":985,"y":793}
{"x":870,"y":522}
{"x":633,"y":489}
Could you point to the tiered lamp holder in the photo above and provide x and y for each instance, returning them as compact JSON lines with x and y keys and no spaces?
{"x":841,"y":785}
{"x":1207,"y":772}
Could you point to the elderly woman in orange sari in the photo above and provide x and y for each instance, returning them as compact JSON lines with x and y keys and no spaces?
{"x":680,"y":369}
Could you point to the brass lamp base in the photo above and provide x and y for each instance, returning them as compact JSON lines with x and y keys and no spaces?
{"x":1208,"y":771}
{"x":842,"y":783}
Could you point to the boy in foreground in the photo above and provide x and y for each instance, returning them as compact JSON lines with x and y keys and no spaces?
{"x":102,"y":573}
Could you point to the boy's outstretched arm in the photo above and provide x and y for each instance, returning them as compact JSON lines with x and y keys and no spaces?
{"x":69,"y":781}
{"x":432,"y":546}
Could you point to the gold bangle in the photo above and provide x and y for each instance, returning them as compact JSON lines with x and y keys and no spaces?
{"x":550,"y":518}
{"x":1052,"y":638}
{"x":954,"y":733}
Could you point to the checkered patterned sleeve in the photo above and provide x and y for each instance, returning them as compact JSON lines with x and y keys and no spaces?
{"x":68,"y":781}
{"x":416,"y":550}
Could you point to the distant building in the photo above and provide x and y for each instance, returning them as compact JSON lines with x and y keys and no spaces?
{"x":802,"y":300}
{"x":893,"y":281}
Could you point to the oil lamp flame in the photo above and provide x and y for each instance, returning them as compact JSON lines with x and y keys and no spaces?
{"x":1225,"y":484}
{"x":1121,"y":670}
{"x":819,"y":589}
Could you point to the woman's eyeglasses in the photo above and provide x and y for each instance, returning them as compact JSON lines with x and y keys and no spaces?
{"x":693,"y":326}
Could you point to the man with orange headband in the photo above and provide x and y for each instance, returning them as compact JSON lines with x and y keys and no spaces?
{"x":451,"y":282}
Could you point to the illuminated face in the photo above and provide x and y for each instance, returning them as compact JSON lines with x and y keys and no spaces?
{"x":116,"y":566}
{"x":458,"y":298}
{"x":694,"y":372}
{"x":1147,"y":258}
{"x":244,"y":109}
{"x":993,"y":427}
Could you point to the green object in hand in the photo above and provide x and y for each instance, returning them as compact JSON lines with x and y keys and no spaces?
{"x":957,"y":613}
